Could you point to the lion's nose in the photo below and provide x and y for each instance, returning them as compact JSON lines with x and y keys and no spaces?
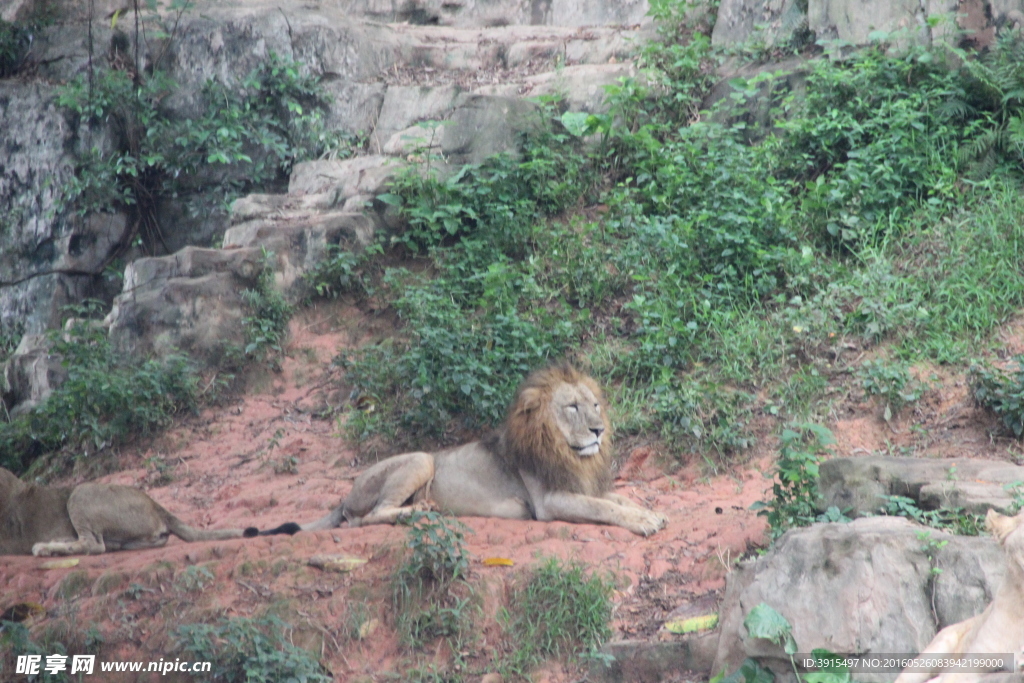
{"x":598,"y":431}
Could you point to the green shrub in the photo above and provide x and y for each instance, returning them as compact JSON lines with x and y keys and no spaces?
{"x":1002,"y":393}
{"x":891,"y":382}
{"x":341,"y":270}
{"x":956,"y":520}
{"x":16,"y":640}
{"x":429,"y":592}
{"x":106,"y":398}
{"x":255,"y":134}
{"x":870,"y":136}
{"x":15,"y":41}
{"x":244,"y":650}
{"x":471,"y":336}
{"x":556,"y":610}
{"x":727,"y":256}
{"x":266,"y":326}
{"x":795,"y":493}
{"x":9,"y":340}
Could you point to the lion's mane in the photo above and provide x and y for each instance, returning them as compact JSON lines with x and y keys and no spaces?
{"x":529,"y":439}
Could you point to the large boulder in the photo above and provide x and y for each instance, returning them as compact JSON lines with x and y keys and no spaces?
{"x":188,"y":301}
{"x":875,"y":585}
{"x":481,"y":127}
{"x":29,"y":375}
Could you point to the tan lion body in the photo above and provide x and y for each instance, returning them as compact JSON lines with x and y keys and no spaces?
{"x":550,"y":460}
{"x":88,"y":519}
{"x":1000,"y":628}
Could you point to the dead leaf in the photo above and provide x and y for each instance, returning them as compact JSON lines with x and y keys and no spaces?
{"x":336,"y":563}
{"x":367,"y":628}
{"x":22,"y":611}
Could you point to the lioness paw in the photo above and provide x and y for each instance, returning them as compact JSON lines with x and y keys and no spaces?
{"x":41,"y":550}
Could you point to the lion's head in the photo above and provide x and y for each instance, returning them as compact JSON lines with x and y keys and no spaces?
{"x":558,"y":429}
{"x":1009,"y":531}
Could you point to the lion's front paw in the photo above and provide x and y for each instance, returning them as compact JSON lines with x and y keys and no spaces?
{"x":647,"y":522}
{"x":41,"y":550}
{"x":424,"y":506}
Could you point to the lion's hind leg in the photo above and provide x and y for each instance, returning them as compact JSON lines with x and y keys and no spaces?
{"x":384,"y":493}
{"x":107,"y":517}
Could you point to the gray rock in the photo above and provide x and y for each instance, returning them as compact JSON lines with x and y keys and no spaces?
{"x":30,"y":374}
{"x":485,"y":126}
{"x":345,"y":178}
{"x":300,"y":242}
{"x":770,"y":23}
{"x":862,"y":587}
{"x":581,"y":86}
{"x":859,"y":484}
{"x":640,"y":661}
{"x":406,"y":105}
{"x":354,"y":107}
{"x":473,"y":13}
{"x":188,"y":301}
{"x":192,"y":262}
{"x":199,"y":316}
{"x":482,"y":126}
{"x":853,"y":21}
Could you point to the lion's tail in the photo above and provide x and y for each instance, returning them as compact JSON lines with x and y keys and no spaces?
{"x":191,"y":534}
{"x":329,"y":521}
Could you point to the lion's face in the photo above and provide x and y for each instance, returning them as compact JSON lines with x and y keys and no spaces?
{"x":558,"y":430}
{"x":576,"y":411}
{"x":1009,"y":531}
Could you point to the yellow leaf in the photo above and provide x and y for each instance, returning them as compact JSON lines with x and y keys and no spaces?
{"x":693,"y":624}
{"x":336,"y":563}
{"x":498,"y":562}
{"x":113,"y":19}
{"x":367,"y":628}
{"x":60,"y":564}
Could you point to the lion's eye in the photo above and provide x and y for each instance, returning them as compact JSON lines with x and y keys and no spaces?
{"x":597,"y":407}
{"x":572,"y":408}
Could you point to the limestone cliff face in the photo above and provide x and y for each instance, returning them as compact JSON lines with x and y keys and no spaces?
{"x":388,"y":67}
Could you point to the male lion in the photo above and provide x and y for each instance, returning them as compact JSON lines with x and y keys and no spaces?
{"x":1000,"y":628}
{"x":44,"y":520}
{"x":550,"y":460}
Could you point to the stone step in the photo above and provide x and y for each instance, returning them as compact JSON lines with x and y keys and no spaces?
{"x":859,"y":485}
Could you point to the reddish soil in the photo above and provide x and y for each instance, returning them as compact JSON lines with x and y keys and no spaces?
{"x":265,"y":459}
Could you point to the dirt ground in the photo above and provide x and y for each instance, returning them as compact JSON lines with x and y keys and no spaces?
{"x":266,"y":458}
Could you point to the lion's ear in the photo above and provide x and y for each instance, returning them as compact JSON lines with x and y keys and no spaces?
{"x":530,"y":399}
{"x":1001,"y":526}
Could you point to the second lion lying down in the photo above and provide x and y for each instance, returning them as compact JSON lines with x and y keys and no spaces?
{"x":550,"y":460}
